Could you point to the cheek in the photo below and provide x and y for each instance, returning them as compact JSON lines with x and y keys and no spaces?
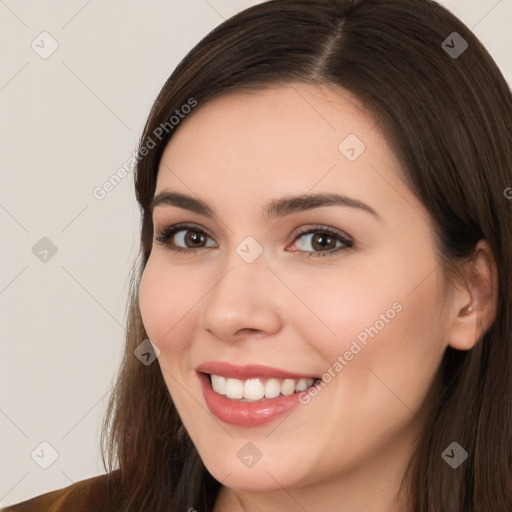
{"x":386,"y":319}
{"x":165,"y":305}
{"x":354,"y":306}
{"x":151,"y":301}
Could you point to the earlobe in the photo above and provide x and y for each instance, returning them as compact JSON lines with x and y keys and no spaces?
{"x":474,"y":306}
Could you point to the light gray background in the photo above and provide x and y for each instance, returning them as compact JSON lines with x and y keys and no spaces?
{"x":68,"y":122}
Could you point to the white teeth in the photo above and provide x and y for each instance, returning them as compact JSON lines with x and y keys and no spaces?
{"x":288,"y":387}
{"x":309,"y":383}
{"x":272,"y":388}
{"x":302,"y":385}
{"x":234,"y":388}
{"x":219,"y":384}
{"x":256,"y":389}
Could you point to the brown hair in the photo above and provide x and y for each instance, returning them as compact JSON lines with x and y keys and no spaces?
{"x":449,"y":122}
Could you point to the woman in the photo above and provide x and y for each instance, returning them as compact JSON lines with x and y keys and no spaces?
{"x":374,"y":132}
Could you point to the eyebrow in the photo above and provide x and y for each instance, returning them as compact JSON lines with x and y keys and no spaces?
{"x":281,"y":207}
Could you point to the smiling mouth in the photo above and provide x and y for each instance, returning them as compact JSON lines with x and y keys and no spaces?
{"x":257,"y":389}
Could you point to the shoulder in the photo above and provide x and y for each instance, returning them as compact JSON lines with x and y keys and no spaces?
{"x":89,"y":495}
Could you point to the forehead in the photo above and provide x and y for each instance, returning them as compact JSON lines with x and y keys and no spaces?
{"x":293,"y":121}
{"x":287,"y":139}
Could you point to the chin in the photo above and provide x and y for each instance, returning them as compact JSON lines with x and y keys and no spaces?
{"x":265,"y":475}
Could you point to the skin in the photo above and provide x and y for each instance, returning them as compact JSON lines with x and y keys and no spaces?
{"x":348,"y":448}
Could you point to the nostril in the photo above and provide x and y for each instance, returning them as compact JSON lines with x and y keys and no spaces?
{"x":246,"y":330}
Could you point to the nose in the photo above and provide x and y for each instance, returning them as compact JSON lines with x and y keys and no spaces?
{"x":245,"y":301}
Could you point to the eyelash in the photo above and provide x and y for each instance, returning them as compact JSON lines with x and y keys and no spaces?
{"x":168,"y":232}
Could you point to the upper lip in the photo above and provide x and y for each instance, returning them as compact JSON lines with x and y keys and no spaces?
{"x":248,"y":371}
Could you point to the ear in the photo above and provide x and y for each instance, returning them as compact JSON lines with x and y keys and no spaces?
{"x":475,"y":304}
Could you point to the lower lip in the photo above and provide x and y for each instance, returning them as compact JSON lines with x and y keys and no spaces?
{"x":245,"y":414}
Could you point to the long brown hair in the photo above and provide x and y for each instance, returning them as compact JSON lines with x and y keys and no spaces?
{"x":448,"y":119}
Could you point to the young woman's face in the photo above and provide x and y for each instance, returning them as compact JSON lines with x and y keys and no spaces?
{"x":360,"y":305}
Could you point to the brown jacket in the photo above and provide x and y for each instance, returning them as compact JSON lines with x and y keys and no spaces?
{"x":90,"y":495}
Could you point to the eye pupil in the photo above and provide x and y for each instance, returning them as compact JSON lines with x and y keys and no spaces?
{"x":194,"y":237}
{"x":321,"y":237}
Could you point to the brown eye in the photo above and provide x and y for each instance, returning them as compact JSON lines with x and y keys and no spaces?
{"x":323,"y":241}
{"x":182,"y":238}
{"x":193,"y":237}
